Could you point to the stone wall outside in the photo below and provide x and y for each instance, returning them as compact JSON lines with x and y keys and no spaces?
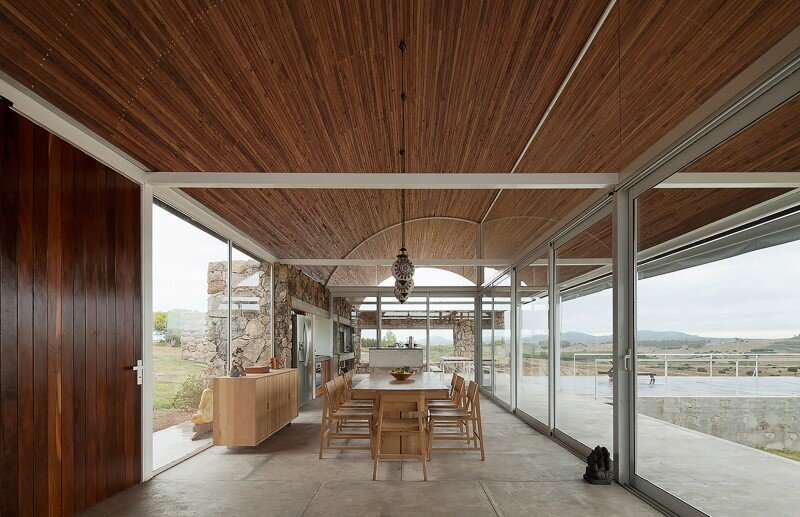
{"x":204,"y":335}
{"x":769,"y":422}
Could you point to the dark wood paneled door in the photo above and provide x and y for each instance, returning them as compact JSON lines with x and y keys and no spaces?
{"x":70,"y":325}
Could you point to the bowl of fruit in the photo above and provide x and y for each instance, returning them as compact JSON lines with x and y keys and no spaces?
{"x":402,"y":374}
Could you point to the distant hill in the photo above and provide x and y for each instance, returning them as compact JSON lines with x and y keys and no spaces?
{"x":581,"y":338}
{"x":439,"y":340}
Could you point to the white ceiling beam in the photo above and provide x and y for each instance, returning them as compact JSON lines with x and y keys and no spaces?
{"x":359,"y":180}
{"x":44,"y":114}
{"x":440,"y":262}
{"x":732,"y":180}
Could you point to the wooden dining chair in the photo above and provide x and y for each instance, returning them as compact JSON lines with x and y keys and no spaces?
{"x":468,"y":418}
{"x":335,"y":418}
{"x":456,"y":396}
{"x":401,"y":415}
{"x":345,"y":392}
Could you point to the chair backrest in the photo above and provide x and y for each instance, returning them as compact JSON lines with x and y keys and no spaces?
{"x":348,"y":379}
{"x":473,"y":399}
{"x":331,"y":402}
{"x":402,"y":403}
{"x":340,"y":388}
{"x":458,"y":391}
{"x":453,"y":380}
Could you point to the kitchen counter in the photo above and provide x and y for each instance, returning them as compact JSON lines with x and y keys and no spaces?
{"x":396,"y":357}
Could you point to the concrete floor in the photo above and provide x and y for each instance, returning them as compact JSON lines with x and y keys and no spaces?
{"x":525,"y":473}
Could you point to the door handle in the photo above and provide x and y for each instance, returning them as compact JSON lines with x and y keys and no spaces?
{"x":139,"y":369}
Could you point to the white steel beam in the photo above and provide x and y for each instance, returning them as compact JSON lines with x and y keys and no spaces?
{"x":732,"y":180}
{"x":369,"y":180}
{"x":439,"y":262}
{"x":44,"y":114}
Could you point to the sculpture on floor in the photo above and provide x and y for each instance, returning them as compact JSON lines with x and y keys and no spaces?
{"x":598,"y":470}
{"x":203,"y":418}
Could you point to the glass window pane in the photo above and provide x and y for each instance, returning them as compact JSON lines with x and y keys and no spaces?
{"x":251,"y":309}
{"x":487,"y":306}
{"x":585,"y":339}
{"x":718,"y":350}
{"x":190,"y":340}
{"x":532,"y":370}
{"x":501,"y":340}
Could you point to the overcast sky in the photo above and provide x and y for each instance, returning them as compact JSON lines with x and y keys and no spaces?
{"x":752,"y":295}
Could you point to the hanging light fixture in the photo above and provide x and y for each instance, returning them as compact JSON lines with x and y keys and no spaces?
{"x":403,"y":268}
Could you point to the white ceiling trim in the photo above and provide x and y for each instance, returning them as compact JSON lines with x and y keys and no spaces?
{"x":732,"y":180}
{"x":361,"y":180}
{"x":587,"y":44}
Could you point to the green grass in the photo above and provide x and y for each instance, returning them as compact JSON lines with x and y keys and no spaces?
{"x":792,"y":455}
{"x":169,"y":373}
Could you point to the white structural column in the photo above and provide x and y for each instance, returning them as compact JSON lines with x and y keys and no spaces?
{"x":146,"y":207}
{"x":624,"y":366}
{"x":553,"y":337}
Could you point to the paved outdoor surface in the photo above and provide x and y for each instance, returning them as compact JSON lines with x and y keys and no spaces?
{"x":525,"y":473}
{"x":717,"y":476}
{"x":175,"y":442}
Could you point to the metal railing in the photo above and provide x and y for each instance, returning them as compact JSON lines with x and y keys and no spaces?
{"x":758,"y":361}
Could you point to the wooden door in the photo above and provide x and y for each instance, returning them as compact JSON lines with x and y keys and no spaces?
{"x":70,"y":325}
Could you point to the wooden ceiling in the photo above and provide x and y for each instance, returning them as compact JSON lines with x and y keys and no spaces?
{"x":314,"y":86}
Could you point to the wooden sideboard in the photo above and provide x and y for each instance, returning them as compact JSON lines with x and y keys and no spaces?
{"x":249,"y":409}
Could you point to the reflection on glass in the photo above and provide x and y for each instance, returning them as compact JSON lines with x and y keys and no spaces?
{"x":585,"y":341}
{"x":251,"y":298}
{"x":487,"y":309}
{"x":501,"y":341}
{"x":718,"y":354}
{"x":532,"y":372}
{"x":190,"y":332}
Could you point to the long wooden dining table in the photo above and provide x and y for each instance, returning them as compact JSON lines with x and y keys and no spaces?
{"x":428,"y":384}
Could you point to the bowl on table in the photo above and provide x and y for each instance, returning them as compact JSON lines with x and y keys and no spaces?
{"x":402,"y":374}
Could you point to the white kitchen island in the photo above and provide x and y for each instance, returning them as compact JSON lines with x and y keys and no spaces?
{"x":396,"y":357}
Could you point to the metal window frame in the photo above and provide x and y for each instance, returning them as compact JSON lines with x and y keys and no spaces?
{"x":530,"y":259}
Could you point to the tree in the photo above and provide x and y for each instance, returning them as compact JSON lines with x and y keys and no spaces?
{"x":160,"y":321}
{"x":388,"y":339}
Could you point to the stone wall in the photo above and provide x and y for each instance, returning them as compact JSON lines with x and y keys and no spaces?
{"x":204,"y":335}
{"x":464,"y":338}
{"x":768,"y":422}
{"x":291,"y":282}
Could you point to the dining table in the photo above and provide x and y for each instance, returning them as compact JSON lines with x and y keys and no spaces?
{"x":427,"y":384}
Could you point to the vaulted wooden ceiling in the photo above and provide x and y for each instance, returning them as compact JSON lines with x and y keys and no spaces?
{"x":314,"y":86}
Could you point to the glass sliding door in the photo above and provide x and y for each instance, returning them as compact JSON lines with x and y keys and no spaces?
{"x":486,"y":317}
{"x":501,"y":339}
{"x":451,"y":345}
{"x":584,"y":387}
{"x":533,"y":339}
{"x":190,"y":333}
{"x":718,"y":347}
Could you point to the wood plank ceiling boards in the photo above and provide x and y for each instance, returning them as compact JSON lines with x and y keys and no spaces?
{"x":314,"y":86}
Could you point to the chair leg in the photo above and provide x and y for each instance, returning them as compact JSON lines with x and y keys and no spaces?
{"x":377,"y":455}
{"x":322,"y":432}
{"x":480,"y":432}
{"x":423,"y":453}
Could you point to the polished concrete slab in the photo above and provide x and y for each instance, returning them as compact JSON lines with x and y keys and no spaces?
{"x":524,"y":473}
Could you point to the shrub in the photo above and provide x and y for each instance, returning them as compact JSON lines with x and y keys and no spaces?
{"x":701,"y":369}
{"x":188,"y":395}
{"x":173,"y":337}
{"x":792,"y":369}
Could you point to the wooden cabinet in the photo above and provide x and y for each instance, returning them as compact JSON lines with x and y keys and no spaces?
{"x":249,"y":409}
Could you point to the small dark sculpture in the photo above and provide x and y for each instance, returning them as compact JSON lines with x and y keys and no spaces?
{"x":598,"y":470}
{"x":237,"y":369}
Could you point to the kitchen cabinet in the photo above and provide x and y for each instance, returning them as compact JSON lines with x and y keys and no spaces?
{"x":249,"y":409}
